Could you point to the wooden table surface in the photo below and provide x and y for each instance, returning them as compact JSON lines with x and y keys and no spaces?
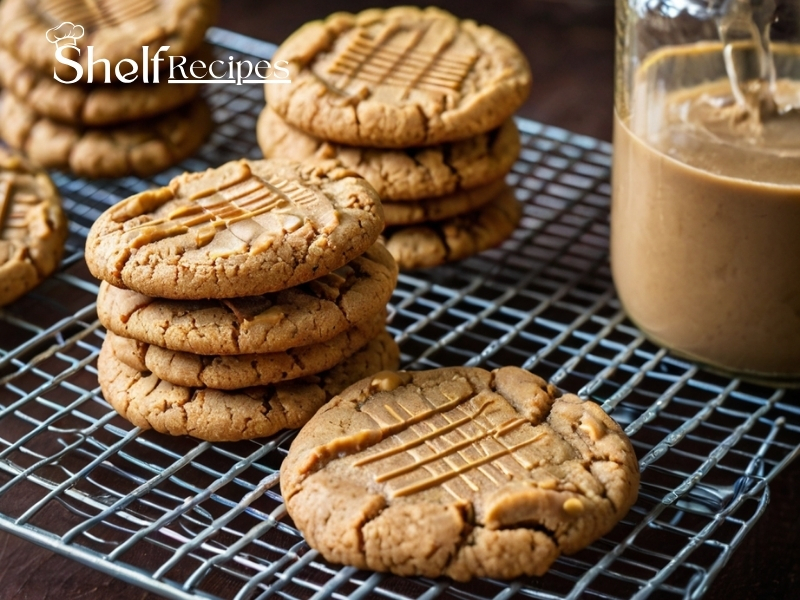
{"x":570,"y":46}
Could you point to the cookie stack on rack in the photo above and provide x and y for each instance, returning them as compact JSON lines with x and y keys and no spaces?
{"x":240,"y":299}
{"x":99,"y":111}
{"x":419,"y":103}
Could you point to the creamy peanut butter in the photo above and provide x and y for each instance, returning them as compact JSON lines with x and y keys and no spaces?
{"x":705,"y":236}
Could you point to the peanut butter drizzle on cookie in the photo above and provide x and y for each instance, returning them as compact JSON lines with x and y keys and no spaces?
{"x":446,"y":455}
{"x":422,"y":439}
{"x":363,"y":439}
{"x":457,"y":471}
{"x":482,"y":446}
{"x":494,"y":432}
{"x":234,"y":205}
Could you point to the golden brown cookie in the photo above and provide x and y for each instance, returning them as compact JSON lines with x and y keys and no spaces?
{"x":117,"y":29}
{"x":227,"y":416}
{"x":443,"y":207}
{"x":409,"y":173}
{"x":141,"y":148}
{"x":33,"y":227}
{"x":398,"y":78}
{"x":243,"y":229}
{"x":231,"y":372}
{"x":435,"y":243}
{"x":89,"y":105}
{"x":311,"y":313}
{"x":459,"y":472}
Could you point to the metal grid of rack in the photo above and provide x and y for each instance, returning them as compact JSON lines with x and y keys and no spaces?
{"x":189,"y":519}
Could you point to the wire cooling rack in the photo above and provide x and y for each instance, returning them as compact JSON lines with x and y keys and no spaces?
{"x":189,"y":519}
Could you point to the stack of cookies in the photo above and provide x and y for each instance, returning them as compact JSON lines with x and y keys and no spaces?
{"x":420,"y":104}
{"x":240,"y":299}
{"x":123,"y":122}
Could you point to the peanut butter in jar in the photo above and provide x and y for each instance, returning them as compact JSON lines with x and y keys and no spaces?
{"x":705,"y":234}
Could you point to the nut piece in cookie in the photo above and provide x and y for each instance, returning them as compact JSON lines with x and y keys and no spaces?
{"x":246,"y":228}
{"x":458,"y":472}
{"x":398,"y":78}
{"x":33,"y":227}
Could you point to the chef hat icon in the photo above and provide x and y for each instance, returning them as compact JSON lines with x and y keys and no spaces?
{"x":65,"y":34}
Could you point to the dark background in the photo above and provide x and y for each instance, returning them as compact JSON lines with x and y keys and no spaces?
{"x":570,"y":46}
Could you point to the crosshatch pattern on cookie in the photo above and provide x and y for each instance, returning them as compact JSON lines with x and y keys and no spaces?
{"x":242,"y":199}
{"x":13,"y":221}
{"x":94,"y":14}
{"x":452,"y":440}
{"x":480,"y":449}
{"x":395,"y":57}
{"x":14,"y":206}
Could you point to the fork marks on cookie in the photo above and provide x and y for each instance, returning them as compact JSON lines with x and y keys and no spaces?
{"x":96,"y":14}
{"x":235,"y":205}
{"x":404,"y":59}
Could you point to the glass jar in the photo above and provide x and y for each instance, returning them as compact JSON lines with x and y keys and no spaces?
{"x":705,"y":219}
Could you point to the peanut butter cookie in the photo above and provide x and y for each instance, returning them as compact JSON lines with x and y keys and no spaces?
{"x":458,"y":472}
{"x":227,"y":416}
{"x":311,"y":313}
{"x":90,"y":105}
{"x":33,"y":227}
{"x":398,"y":78}
{"x":443,"y":207}
{"x":435,"y":243}
{"x":243,"y":229}
{"x":231,"y":372}
{"x":117,"y":29}
{"x":407,"y":174}
{"x":141,"y":148}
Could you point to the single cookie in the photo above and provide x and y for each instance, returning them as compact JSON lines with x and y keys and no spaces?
{"x":441,"y":208}
{"x":141,"y":148}
{"x":407,"y":174}
{"x":458,"y":472}
{"x":399,"y":78}
{"x":33,"y":227}
{"x":243,"y":229}
{"x":231,"y":372}
{"x":435,"y":243}
{"x":311,"y":313}
{"x":34,"y":30}
{"x":89,"y":105}
{"x":220,"y":416}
